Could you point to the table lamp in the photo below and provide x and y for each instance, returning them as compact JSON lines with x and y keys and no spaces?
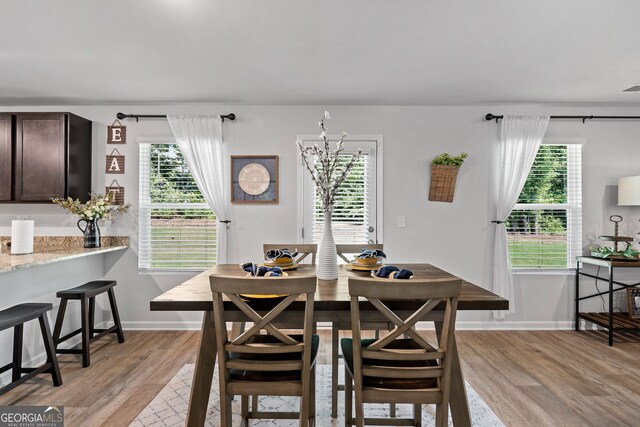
{"x":629,"y":191}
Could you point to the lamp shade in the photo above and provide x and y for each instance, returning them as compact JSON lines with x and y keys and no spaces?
{"x":629,"y":191}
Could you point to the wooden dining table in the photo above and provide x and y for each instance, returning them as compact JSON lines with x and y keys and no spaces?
{"x":332,"y":304}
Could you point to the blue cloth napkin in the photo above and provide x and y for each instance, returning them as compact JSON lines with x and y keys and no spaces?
{"x":280,"y":253}
{"x":371,"y":253}
{"x":392,"y":272}
{"x":260,"y":270}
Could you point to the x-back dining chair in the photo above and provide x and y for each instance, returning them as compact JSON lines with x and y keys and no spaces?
{"x":401,"y":370}
{"x":345,"y":251}
{"x":265,"y":360}
{"x":304,"y":250}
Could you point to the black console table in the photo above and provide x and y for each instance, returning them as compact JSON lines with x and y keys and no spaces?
{"x":610,"y":321}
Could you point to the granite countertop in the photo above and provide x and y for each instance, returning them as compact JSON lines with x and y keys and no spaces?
{"x":50,"y":249}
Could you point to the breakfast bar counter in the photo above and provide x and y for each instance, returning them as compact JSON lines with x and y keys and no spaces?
{"x":51,"y":249}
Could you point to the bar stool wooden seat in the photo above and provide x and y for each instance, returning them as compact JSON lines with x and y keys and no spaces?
{"x":86,"y":295}
{"x":15,"y":317}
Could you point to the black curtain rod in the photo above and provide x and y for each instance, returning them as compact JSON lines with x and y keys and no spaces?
{"x":122,"y":116}
{"x":490,"y":116}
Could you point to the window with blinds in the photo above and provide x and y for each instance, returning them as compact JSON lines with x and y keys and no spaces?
{"x":350,"y":219}
{"x":545,"y":226}
{"x":177,"y":229}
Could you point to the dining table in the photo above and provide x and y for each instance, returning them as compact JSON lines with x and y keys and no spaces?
{"x":332,"y":304}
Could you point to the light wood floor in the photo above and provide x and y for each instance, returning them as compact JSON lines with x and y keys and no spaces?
{"x":528,"y":378}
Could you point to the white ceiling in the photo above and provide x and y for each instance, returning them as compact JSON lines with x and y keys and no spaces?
{"x":381,"y":52}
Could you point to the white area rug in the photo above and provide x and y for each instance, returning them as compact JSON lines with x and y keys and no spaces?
{"x":169,"y":407}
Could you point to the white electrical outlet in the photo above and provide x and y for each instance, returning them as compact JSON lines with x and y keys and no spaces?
{"x":401,"y":222}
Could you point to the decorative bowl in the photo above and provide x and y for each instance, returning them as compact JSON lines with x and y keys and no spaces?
{"x":367,"y":261}
{"x":281,"y":261}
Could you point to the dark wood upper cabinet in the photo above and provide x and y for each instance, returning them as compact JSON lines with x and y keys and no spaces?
{"x":6,"y":160}
{"x":40,"y":153}
{"x":51,"y":157}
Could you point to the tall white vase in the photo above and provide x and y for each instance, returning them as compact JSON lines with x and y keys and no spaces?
{"x":327,"y":268}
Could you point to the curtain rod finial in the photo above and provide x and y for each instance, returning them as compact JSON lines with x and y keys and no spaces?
{"x":230,"y":116}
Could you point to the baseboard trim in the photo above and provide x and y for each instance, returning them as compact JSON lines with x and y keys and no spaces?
{"x":461,"y":326}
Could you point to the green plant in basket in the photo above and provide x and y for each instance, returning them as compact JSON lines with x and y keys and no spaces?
{"x":449,"y":160}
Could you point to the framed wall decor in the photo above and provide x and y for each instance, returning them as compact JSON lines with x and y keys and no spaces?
{"x":633,"y":300}
{"x":254,"y":179}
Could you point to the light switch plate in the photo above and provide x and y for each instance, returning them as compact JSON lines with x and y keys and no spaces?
{"x":401,"y":222}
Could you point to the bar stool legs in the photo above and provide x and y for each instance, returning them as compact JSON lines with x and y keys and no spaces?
{"x":86,"y":294}
{"x":15,"y":317}
{"x":116,"y":315}
{"x":17,"y":353}
{"x":52,"y":358}
{"x":86,"y":331}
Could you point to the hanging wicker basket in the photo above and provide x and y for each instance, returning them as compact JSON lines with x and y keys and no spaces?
{"x":443,"y":183}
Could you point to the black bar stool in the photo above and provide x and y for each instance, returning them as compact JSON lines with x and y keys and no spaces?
{"x":86,"y":294}
{"x":15,"y":317}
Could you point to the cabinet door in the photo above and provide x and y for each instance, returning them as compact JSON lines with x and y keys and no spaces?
{"x":40,"y":156}
{"x":6,"y":144}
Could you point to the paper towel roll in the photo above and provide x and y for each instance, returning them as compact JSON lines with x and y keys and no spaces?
{"x":21,"y":236}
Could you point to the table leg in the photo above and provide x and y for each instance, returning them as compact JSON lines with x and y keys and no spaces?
{"x":335,"y":342}
{"x":203,"y":375}
{"x":610,"y":306}
{"x":458,"y":402}
{"x":577,"y":300}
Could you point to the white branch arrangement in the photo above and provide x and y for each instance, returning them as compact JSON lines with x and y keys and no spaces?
{"x":323,"y":165}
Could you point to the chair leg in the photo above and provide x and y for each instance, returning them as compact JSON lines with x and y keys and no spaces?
{"x":305,"y":396}
{"x":16,"y":372}
{"x":312,"y":401}
{"x":442,"y":416}
{"x":84,"y":311}
{"x":348,"y":398}
{"x":392,"y":406}
{"x":254,"y":402}
{"x":225,"y":410}
{"x":116,"y":316}
{"x":50,"y":349}
{"x":335,"y":335}
{"x":59,"y":319}
{"x":92,"y":315}
{"x":417,"y":415}
{"x":244,"y":409}
{"x":359,"y":409}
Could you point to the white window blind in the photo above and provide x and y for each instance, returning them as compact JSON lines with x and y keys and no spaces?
{"x":545,"y":226}
{"x":177,"y":229}
{"x":351,"y":207}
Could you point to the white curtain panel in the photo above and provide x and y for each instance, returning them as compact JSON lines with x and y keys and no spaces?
{"x":520,"y":139}
{"x":200,"y":141}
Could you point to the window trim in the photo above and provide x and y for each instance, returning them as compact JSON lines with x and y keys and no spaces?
{"x":301,"y":173}
{"x":167,"y":140}
{"x":581,"y":141}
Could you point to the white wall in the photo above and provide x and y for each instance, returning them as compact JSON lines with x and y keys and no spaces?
{"x":452,"y":236}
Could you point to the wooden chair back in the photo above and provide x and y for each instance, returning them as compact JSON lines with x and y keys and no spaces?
{"x":350,"y":249}
{"x":421,"y":360}
{"x":304,"y":250}
{"x":264,"y":320}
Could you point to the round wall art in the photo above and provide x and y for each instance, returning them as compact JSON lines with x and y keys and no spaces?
{"x":254,"y":179}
